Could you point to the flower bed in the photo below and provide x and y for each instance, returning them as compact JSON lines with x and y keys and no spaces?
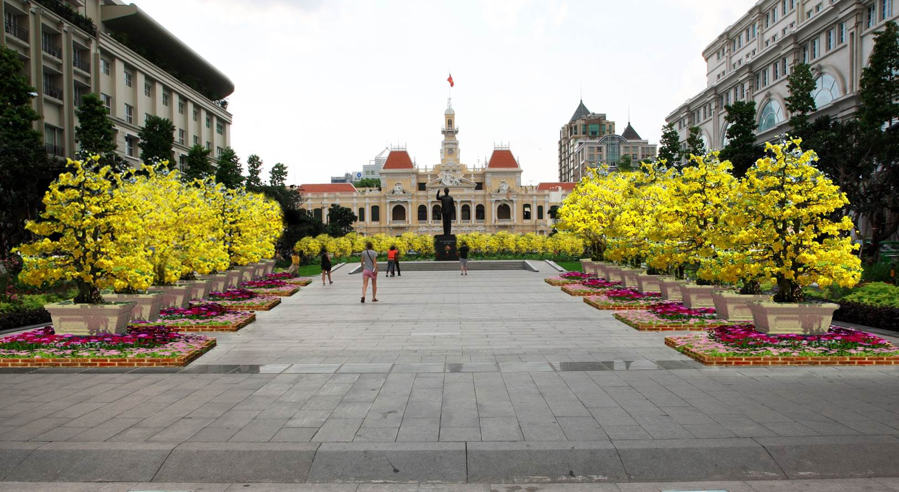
{"x":142,"y":346}
{"x":670,"y":316}
{"x":741,"y":345}
{"x":271,"y":287}
{"x":623,"y":300}
{"x":589,"y":287}
{"x":290,"y":278}
{"x":560,"y":281}
{"x":205,"y":317}
{"x":242,"y":300}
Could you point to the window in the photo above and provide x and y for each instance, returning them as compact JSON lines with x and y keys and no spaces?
{"x":886,"y":9}
{"x":218,"y":151}
{"x":398,"y":214}
{"x":129,"y":78}
{"x":783,"y":7}
{"x":422,"y":213}
{"x":841,"y":33}
{"x":129,"y":146}
{"x":317,"y":214}
{"x":54,"y":140}
{"x":166,"y":95}
{"x":466,"y":212}
{"x":148,"y":88}
{"x":783,"y":66}
{"x":871,"y":16}
{"x":422,"y":187}
{"x":129,"y":113}
{"x":181,"y":136}
{"x":181,"y":104}
{"x":208,"y":145}
{"x":771,"y":115}
{"x":479,"y":212}
{"x":774,"y":15}
{"x":182,"y":162}
{"x":104,"y":66}
{"x":815,"y":47}
{"x":828,"y":40}
{"x":479,"y":186}
{"x":107,"y":101}
{"x":764,"y":78}
{"x":593,"y":129}
{"x":805,"y":54}
{"x":539,"y":212}
{"x":435,"y":212}
{"x":361,"y":214}
{"x":146,"y":118}
{"x":775,"y":71}
{"x":503,"y":212}
{"x":196,"y":140}
{"x":375,"y":213}
{"x":219,"y":127}
{"x":826,"y":90}
{"x":526,"y":211}
{"x":208,"y":121}
{"x":196,"y":114}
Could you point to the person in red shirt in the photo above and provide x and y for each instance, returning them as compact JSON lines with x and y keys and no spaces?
{"x":393,"y":266}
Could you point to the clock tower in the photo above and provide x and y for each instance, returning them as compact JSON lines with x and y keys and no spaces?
{"x":449,"y":151}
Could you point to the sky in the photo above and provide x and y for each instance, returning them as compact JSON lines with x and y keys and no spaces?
{"x":325,"y":85}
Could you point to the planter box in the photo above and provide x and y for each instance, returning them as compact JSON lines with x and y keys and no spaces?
{"x":248,"y":273}
{"x":173,"y":295}
{"x":629,"y":277}
{"x":89,"y":319}
{"x":180,"y":361}
{"x":146,"y":306}
{"x":216,"y":281}
{"x":735,"y":307}
{"x":787,"y":317}
{"x":586,"y":265}
{"x":698,"y":296}
{"x":233,"y":277}
{"x":824,"y":360}
{"x":182,"y":325}
{"x":260,"y":270}
{"x":197,"y":288}
{"x":649,"y":283}
{"x":613,"y":273}
{"x":264,"y":306}
{"x":269,"y":266}
{"x":670,"y":288}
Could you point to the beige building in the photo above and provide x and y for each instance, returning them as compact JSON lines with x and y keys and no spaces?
{"x":589,"y":139}
{"x":752,"y":59}
{"x":74,"y":47}
{"x":488,"y":199}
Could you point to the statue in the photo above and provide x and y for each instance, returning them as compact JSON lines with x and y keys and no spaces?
{"x":447,"y":210}
{"x":503,"y":187}
{"x":398,"y":189}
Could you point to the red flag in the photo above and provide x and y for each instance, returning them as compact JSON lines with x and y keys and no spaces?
{"x":450,"y":80}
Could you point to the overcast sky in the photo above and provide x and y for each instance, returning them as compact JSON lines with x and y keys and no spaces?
{"x":325,"y":85}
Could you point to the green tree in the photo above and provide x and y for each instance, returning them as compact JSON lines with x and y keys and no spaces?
{"x":669,"y":148}
{"x":254,"y":169}
{"x":800,"y":102}
{"x":695,"y":143}
{"x":741,"y":149}
{"x":879,"y":89}
{"x":157,"y":137}
{"x":298,"y":223}
{"x":228,"y":170}
{"x":367,"y":183}
{"x":25,"y":171}
{"x":340,"y":220}
{"x":95,"y":132}
{"x":625,"y":163}
{"x":198,"y":164}
{"x":277,"y":176}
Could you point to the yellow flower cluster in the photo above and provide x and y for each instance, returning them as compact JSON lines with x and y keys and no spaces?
{"x":566,"y":244}
{"x":145,"y":227}
{"x":773,"y":224}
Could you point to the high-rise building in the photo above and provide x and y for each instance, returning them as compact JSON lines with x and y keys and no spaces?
{"x":137,"y":67}
{"x":589,"y":140}
{"x":752,"y":59}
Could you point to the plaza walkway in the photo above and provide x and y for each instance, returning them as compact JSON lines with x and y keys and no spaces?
{"x":494,"y":377}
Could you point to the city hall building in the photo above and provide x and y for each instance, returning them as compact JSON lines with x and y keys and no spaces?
{"x":487,"y":199}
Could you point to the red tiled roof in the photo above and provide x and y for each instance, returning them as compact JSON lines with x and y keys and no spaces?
{"x":502,"y":159}
{"x":398,"y":159}
{"x":553,"y":186}
{"x":328,"y":188}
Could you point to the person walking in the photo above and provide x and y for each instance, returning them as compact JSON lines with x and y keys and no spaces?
{"x":463,"y":258}
{"x":370,"y":271}
{"x":294,"y":263}
{"x":392,"y":255}
{"x":326,"y":265}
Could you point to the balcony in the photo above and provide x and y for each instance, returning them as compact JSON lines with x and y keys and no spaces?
{"x":52,"y":50}
{"x":54,"y":92}
{"x":17,"y":30}
{"x":81,"y":61}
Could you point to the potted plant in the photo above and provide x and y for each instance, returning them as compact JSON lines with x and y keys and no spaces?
{"x":90,"y":235}
{"x":789,"y":235}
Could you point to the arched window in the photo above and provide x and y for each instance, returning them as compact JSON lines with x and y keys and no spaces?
{"x":539,"y":212}
{"x":449,"y":123}
{"x":422,"y":213}
{"x":466,"y":212}
{"x":375,"y":213}
{"x":772,"y":114}
{"x":317,"y":213}
{"x":361,"y":214}
{"x":526,"y":211}
{"x":503,"y":212}
{"x":479,"y":212}
{"x":398,"y":214}
{"x":435,"y":212}
{"x":724,"y":139}
{"x":826,"y":90}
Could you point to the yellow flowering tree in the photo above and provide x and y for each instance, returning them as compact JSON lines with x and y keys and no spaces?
{"x":89,"y":236}
{"x":254,"y":224}
{"x":783,"y":228}
{"x":591,"y":209}
{"x":631,"y":234}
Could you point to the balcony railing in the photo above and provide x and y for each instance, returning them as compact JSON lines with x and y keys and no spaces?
{"x":52,"y":50}
{"x":16,"y":30}
{"x":54,"y":149}
{"x":81,"y":62}
{"x":53,"y":92}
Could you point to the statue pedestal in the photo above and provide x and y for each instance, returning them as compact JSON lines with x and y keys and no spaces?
{"x":445,"y":248}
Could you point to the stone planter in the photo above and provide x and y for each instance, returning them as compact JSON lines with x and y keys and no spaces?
{"x":146,"y":306}
{"x":629,"y":275}
{"x":248,"y":273}
{"x":601,"y":269}
{"x":269,"y":266}
{"x":788,"y":317}
{"x":735,"y":307}
{"x":586,"y":264}
{"x":89,"y":319}
{"x":232,"y":278}
{"x":216,"y":281}
{"x":197,"y":288}
{"x":648,"y":283}
{"x":173,"y":295}
{"x":698,"y":296}
{"x":613,"y":273}
{"x":260,"y":270}
{"x":670,"y":288}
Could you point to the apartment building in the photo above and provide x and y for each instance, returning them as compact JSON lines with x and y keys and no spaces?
{"x":74,"y":47}
{"x":752,"y":59}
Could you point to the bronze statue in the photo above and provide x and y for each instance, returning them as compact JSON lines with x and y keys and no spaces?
{"x":447,"y":210}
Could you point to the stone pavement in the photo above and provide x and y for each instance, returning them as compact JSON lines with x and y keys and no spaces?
{"x":494,"y":377}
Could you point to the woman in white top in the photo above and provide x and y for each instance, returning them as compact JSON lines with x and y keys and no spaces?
{"x":370,"y":271}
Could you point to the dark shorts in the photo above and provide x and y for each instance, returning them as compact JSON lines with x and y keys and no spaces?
{"x":463,"y":261}
{"x":326,"y":269}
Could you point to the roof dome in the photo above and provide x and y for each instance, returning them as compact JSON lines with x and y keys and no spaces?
{"x":449,"y":107}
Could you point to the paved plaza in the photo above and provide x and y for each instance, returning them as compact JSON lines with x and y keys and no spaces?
{"x":491,"y":378}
